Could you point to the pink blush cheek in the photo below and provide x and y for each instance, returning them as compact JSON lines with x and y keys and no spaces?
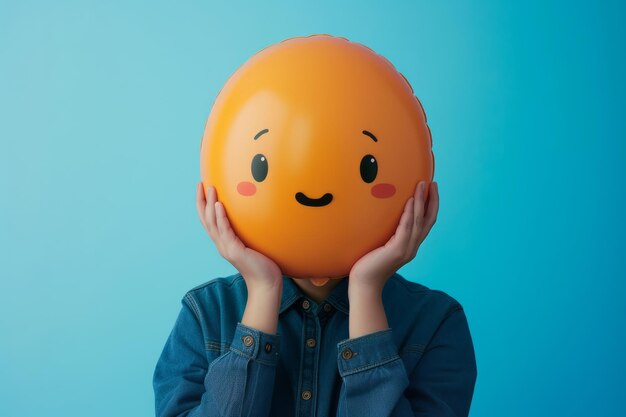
{"x":383,"y":190}
{"x":246,"y":188}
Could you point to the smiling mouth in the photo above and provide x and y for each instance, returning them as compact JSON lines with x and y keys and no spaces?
{"x":314,"y":202}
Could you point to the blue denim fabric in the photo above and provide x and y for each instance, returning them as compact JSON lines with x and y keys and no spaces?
{"x":213,"y":365}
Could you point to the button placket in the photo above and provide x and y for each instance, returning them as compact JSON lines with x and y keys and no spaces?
{"x":306,"y":406}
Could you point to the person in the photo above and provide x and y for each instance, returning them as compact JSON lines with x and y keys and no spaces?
{"x":260,"y":343}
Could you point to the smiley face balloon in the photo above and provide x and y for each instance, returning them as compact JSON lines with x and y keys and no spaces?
{"x":314,"y":145}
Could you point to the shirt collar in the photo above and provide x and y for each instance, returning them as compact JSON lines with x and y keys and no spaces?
{"x":338,"y":298}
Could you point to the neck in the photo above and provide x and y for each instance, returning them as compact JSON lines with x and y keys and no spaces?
{"x":317,"y":293}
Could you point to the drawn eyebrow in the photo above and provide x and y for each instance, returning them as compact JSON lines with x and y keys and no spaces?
{"x":262,"y":132}
{"x":371,"y":135}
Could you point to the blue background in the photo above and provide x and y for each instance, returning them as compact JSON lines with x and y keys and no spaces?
{"x":102,"y":106}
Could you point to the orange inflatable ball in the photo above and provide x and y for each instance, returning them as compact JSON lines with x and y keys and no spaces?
{"x":314,"y":145}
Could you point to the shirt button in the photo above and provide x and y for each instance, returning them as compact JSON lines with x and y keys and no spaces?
{"x":327,"y":307}
{"x":347,"y":353}
{"x":310,"y":343}
{"x":306,"y":395}
{"x":248,"y":340}
{"x":306,"y":305}
{"x":268,"y":347}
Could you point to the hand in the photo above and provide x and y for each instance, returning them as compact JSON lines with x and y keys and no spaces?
{"x":264,"y":279}
{"x":369,"y":274}
{"x":374,"y":268}
{"x":258,"y":270}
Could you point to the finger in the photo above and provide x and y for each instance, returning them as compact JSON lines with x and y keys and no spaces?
{"x":418,"y":211}
{"x":405,"y":226}
{"x":418,"y":215}
{"x":209,"y":212}
{"x":200,"y":203}
{"x":232,"y":248}
{"x":433,"y":208}
{"x":223,"y":225}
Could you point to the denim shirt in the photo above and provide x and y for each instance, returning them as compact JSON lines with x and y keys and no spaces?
{"x":213,"y":365}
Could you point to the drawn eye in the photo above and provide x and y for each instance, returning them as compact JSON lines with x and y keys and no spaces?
{"x":369,"y":168}
{"x":259,"y":167}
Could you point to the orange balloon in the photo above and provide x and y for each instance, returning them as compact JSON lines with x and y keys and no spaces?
{"x":314,"y":146}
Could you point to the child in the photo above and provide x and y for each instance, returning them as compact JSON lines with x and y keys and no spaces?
{"x":258,"y":343}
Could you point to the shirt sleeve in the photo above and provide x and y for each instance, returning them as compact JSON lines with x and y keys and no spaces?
{"x":240,"y":382}
{"x":376,"y":383}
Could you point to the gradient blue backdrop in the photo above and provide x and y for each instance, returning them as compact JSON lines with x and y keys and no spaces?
{"x":102,"y":105}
